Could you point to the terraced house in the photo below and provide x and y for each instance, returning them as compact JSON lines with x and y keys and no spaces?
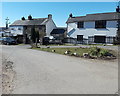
{"x":93,"y":28}
{"x":21,"y":29}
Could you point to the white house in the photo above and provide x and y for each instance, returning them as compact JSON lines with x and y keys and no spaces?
{"x":22,"y":28}
{"x":93,"y":28}
{"x":4,"y":32}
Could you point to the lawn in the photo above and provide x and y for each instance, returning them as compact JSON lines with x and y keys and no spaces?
{"x":79,"y":51}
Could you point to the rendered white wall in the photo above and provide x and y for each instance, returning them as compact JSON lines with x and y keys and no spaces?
{"x":16,"y":32}
{"x":89,"y":29}
{"x":49,"y":27}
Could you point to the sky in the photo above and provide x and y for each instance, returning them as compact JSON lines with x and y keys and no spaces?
{"x":59,"y":10}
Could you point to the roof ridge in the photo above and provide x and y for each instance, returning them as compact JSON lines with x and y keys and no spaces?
{"x":93,"y":17}
{"x":37,"y":21}
{"x":101,"y":13}
{"x":94,"y":14}
{"x":39,"y":18}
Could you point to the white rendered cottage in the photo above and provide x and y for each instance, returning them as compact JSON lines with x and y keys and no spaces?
{"x":93,"y":28}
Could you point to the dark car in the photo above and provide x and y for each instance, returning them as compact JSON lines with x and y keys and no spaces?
{"x":1,"y":39}
{"x":46,"y":40}
{"x":8,"y":41}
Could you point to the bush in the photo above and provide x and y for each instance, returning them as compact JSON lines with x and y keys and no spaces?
{"x":103,"y":53}
{"x":99,"y":52}
{"x":94,"y":51}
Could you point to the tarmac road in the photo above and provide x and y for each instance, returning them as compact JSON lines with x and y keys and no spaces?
{"x":39,"y":72}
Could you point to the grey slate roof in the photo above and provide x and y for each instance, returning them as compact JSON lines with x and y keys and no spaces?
{"x":94,"y":17}
{"x":58,"y":31}
{"x":2,"y":28}
{"x":38,"y":21}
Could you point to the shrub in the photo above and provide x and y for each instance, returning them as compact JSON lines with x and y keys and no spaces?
{"x":103,"y":53}
{"x":94,"y":51}
{"x":99,"y":52}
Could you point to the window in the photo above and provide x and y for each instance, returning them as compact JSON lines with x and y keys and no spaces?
{"x":90,"y":39}
{"x":80,"y":25}
{"x":110,"y":39}
{"x":100,"y":24}
{"x":79,"y":37}
{"x":12,"y":28}
{"x":19,"y":28}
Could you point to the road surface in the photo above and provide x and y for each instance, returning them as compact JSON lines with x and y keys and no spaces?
{"x":39,"y":72}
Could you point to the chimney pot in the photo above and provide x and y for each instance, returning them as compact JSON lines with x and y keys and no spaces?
{"x":29,"y":17}
{"x":71,"y":15}
{"x":118,"y":9}
{"x":49,"y":16}
{"x":23,"y":18}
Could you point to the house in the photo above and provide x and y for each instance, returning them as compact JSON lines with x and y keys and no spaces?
{"x":2,"y":31}
{"x":93,"y":28}
{"x":21,"y":29}
{"x":5,"y":32}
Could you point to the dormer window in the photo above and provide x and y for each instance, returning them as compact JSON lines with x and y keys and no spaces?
{"x":100,"y":24}
{"x":80,"y":24}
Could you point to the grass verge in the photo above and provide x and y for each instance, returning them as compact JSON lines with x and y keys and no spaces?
{"x":78,"y":52}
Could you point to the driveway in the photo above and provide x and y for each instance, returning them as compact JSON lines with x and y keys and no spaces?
{"x":39,"y":72}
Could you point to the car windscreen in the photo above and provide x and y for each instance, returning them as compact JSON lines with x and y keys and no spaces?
{"x":8,"y":39}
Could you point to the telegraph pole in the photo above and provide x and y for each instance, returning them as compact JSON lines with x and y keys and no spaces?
{"x":118,"y":24}
{"x":7,"y":19}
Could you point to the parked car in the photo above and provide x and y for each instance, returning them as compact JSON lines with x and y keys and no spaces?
{"x":1,"y":39}
{"x":46,"y":40}
{"x":55,"y":41}
{"x":8,"y":41}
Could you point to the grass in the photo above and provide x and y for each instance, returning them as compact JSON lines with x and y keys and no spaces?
{"x":21,"y":44}
{"x":79,"y":51}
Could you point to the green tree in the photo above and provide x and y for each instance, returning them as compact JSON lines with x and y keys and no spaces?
{"x":33,"y":35}
{"x":37,"y":37}
{"x":117,"y":40}
{"x":118,"y":33}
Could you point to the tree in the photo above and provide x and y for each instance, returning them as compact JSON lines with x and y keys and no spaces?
{"x":33,"y":35}
{"x":118,"y":33}
{"x":117,"y":40}
{"x":37,"y":37}
{"x":118,"y":28}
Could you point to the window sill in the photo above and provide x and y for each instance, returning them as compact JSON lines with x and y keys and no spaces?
{"x":103,"y":29}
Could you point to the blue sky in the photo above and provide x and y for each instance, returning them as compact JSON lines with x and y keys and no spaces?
{"x":59,"y":10}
